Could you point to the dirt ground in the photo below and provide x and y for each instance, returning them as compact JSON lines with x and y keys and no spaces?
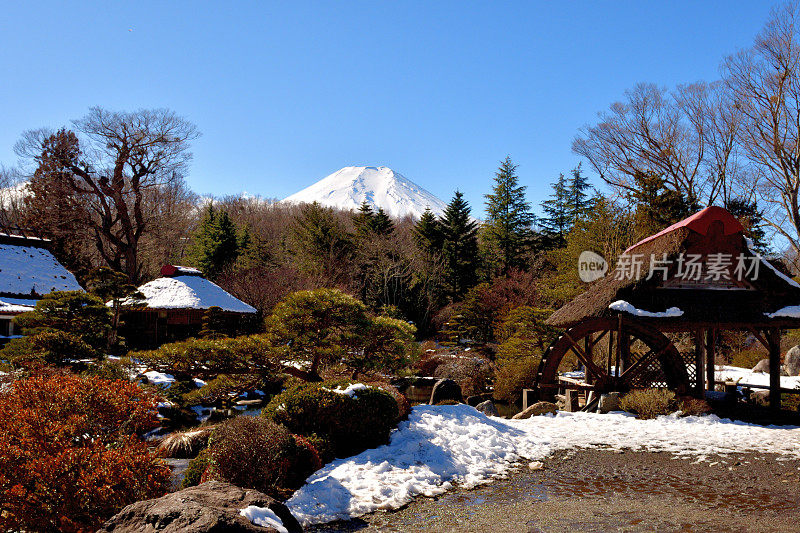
{"x":595,"y":490}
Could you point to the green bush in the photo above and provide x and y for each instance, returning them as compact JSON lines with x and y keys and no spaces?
{"x":74,"y":312}
{"x":194,"y":472}
{"x":253,"y":452}
{"x":349,"y":424}
{"x":649,"y":403}
{"x":50,"y":347}
{"x":514,"y":376}
{"x":747,"y":358}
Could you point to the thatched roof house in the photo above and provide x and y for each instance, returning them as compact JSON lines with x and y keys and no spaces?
{"x":28,"y":271}
{"x":701,"y":270}
{"x":174,"y":305}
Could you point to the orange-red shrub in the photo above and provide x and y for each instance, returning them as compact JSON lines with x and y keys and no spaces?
{"x":71,"y":454}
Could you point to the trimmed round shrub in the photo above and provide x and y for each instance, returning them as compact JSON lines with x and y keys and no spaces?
{"x":257,"y":453}
{"x":350,"y":423}
{"x":514,"y":376}
{"x":649,"y":403}
{"x":403,"y":405}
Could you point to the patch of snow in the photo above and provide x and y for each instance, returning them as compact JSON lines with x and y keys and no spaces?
{"x":189,"y":292}
{"x":264,"y":517}
{"x":744,"y":376}
{"x":202,"y":413}
{"x":32,"y":270}
{"x":790,"y":311}
{"x":380,"y":187}
{"x":625,"y":307}
{"x":199,"y":382}
{"x":159,"y":378}
{"x":350,"y":391}
{"x":439,"y":446}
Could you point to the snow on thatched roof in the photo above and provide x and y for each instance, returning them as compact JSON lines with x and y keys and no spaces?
{"x":31,"y":270}
{"x":709,"y":232}
{"x":190,"y":292}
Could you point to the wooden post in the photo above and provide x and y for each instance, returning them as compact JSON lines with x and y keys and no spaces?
{"x":774,"y":339}
{"x":699,"y":361}
{"x":710,"y":352}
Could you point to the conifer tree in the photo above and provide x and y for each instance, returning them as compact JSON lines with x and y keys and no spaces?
{"x":321,"y":243}
{"x":364,"y":220}
{"x":216,"y":243}
{"x":508,"y":227}
{"x":459,"y":247}
{"x":579,"y":201}
{"x":428,"y":232}
{"x":382,"y":224}
{"x":558,"y":217}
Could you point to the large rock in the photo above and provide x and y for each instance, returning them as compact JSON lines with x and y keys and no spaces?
{"x":792,"y":361}
{"x":609,"y":402}
{"x":539,"y":408}
{"x":487,"y":408}
{"x":762,"y":366}
{"x":213,"y":506}
{"x":446,"y":389}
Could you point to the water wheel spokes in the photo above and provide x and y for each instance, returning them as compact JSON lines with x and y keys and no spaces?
{"x":615,"y":354}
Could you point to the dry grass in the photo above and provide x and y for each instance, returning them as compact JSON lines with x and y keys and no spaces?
{"x":649,"y":403}
{"x":185,"y":444}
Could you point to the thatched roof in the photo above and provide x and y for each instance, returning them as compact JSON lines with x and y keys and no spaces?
{"x":727,"y":297}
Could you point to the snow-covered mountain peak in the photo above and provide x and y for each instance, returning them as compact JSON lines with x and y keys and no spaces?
{"x":382,"y":187}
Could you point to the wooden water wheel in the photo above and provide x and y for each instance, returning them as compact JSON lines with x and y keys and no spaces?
{"x":615,"y":354}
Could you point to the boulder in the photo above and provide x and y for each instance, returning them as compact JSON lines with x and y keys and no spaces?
{"x":762,"y":366}
{"x":609,"y":402}
{"x":760,"y":397}
{"x":791,"y":362}
{"x":539,"y":408}
{"x":478,"y":398}
{"x":487,"y":408}
{"x":446,"y":389}
{"x":211,"y":506}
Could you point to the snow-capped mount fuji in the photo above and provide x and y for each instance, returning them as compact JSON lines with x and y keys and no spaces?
{"x":380,"y":187}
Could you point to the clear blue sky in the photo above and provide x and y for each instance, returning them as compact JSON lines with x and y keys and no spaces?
{"x":288,"y":92}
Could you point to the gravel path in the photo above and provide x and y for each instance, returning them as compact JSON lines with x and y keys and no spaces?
{"x":595,"y":490}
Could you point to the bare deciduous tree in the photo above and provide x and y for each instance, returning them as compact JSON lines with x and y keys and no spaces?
{"x":764,"y":83}
{"x":121,"y":160}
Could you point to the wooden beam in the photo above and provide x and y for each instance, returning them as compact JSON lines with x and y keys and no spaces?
{"x":774,"y":369}
{"x":710,"y":352}
{"x":699,"y":361}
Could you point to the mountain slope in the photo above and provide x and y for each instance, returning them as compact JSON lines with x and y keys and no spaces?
{"x":379,"y":186}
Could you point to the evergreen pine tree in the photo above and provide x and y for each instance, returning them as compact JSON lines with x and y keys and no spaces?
{"x":579,"y":202}
{"x":364,"y":220}
{"x":558,"y":217}
{"x":428,"y":232}
{"x":508,"y":228}
{"x":382,"y":224}
{"x":459,"y":247}
{"x":216,"y":243}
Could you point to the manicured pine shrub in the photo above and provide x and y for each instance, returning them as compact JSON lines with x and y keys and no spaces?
{"x":350,"y":424}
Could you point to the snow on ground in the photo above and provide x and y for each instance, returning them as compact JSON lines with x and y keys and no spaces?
{"x":264,"y":517}
{"x":439,"y":446}
{"x":351,"y":390}
{"x":626,"y":307}
{"x":159,"y":378}
{"x":747,"y":377}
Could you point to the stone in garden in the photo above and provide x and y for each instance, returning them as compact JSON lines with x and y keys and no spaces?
{"x":446,"y":389}
{"x":792,"y":361}
{"x":487,"y":408}
{"x":760,"y":397}
{"x":539,"y":408}
{"x":478,"y":398}
{"x":762,"y":366}
{"x":609,"y":402}
{"x":211,"y":506}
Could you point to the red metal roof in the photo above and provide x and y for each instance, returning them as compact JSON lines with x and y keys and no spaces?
{"x":700,"y":222}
